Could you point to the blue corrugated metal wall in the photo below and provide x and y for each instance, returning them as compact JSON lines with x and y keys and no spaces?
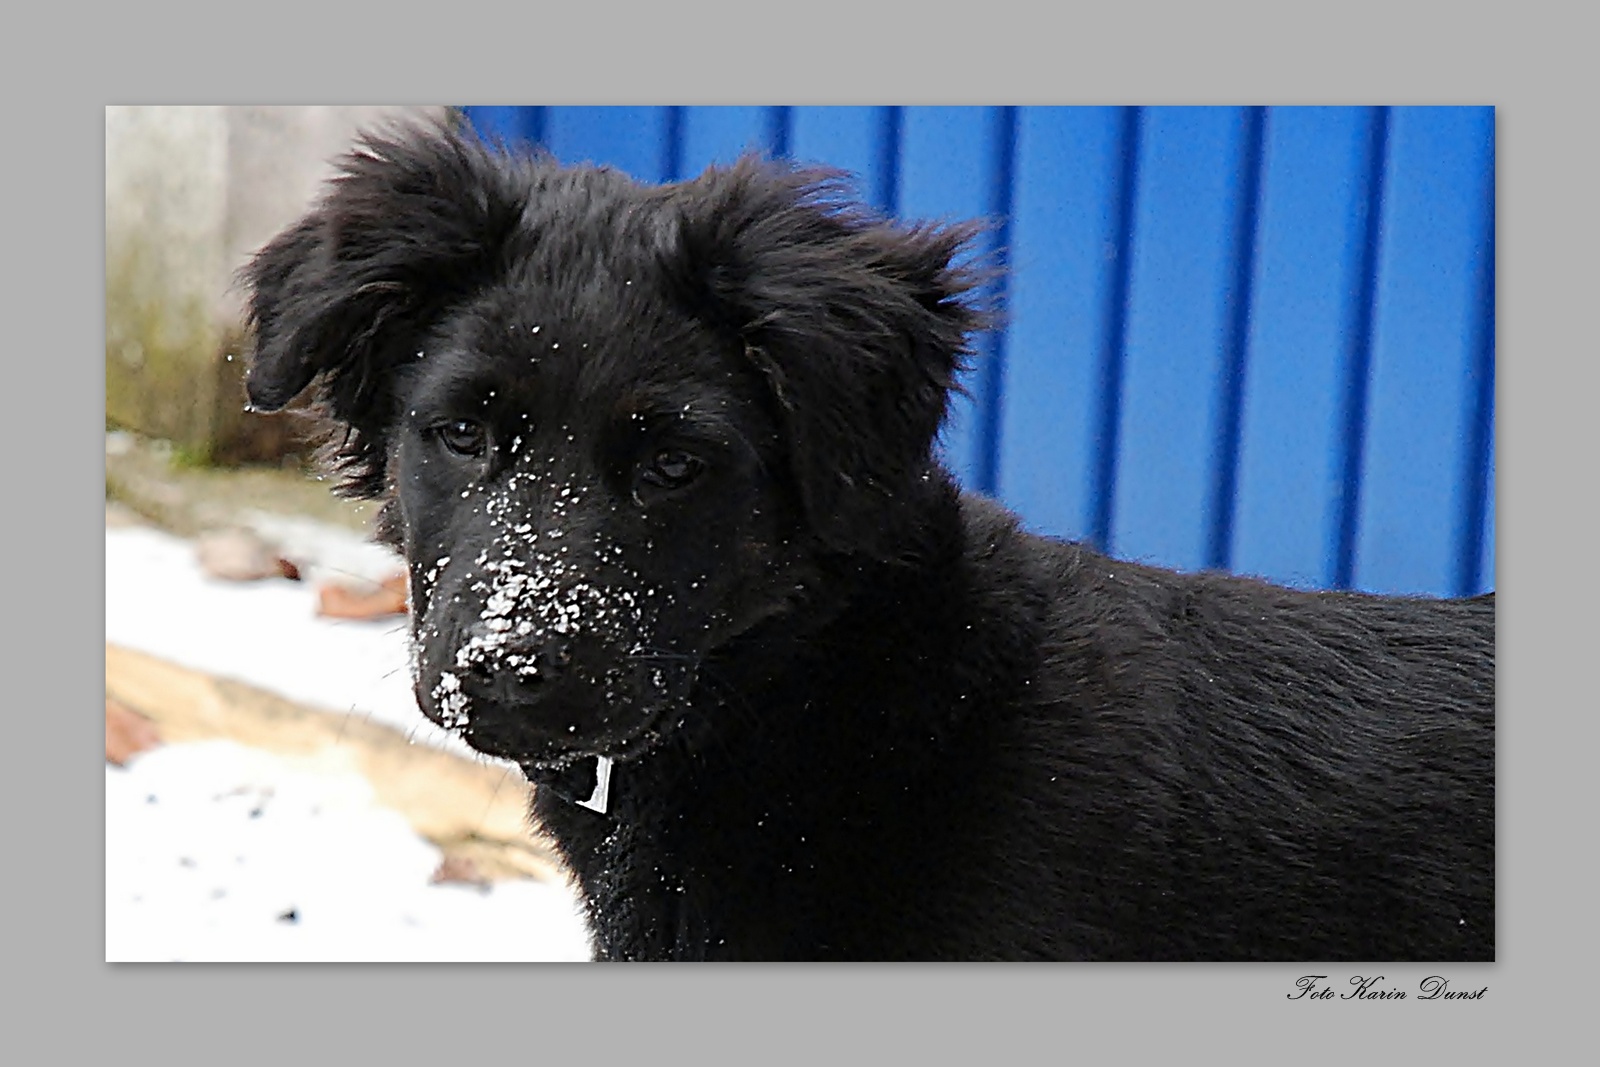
{"x":1260,"y":339}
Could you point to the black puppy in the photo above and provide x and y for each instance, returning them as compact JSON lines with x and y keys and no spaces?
{"x":659,"y":459}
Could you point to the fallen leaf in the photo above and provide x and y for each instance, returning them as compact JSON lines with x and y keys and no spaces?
{"x":127,"y":733}
{"x":459,"y":869}
{"x":343,"y":602}
{"x":241,"y":556}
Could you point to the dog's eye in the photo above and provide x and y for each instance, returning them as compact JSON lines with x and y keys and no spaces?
{"x":672,"y":468}
{"x":463,"y":437}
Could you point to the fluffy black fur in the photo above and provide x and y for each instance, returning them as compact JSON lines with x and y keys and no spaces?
{"x":660,"y":462}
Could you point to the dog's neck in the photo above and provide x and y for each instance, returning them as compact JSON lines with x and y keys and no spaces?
{"x":843,"y":584}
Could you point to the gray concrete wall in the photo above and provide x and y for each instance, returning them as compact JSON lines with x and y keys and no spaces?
{"x":191,"y":192}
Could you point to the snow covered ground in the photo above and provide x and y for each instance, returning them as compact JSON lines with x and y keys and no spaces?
{"x":215,"y":851}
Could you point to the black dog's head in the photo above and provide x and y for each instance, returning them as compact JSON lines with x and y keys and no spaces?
{"x":616,"y":426}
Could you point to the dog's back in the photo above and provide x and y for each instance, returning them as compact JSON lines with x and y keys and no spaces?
{"x":1231,"y":770}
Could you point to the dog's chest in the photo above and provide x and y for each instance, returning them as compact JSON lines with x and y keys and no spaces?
{"x":673,"y":885}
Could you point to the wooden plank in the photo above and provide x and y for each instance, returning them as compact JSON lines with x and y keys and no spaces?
{"x":452,"y":801}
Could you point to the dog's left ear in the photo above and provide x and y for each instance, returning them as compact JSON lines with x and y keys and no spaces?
{"x":859,"y":324}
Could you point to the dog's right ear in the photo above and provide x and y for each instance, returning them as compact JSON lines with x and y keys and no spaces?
{"x":860,"y":326}
{"x":413,"y":221}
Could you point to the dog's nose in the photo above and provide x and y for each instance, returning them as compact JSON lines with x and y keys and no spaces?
{"x":512,"y":670}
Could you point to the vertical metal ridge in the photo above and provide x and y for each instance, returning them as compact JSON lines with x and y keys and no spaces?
{"x":1469,"y":570}
{"x":672,"y":145}
{"x":1236,"y":341}
{"x":536,"y":125}
{"x":886,"y":195}
{"x":1002,"y":191}
{"x":1115,"y":318}
{"x":780,"y":131}
{"x":1359,"y":353}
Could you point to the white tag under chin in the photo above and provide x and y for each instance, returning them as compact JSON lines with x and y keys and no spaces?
{"x":602,"y":785}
